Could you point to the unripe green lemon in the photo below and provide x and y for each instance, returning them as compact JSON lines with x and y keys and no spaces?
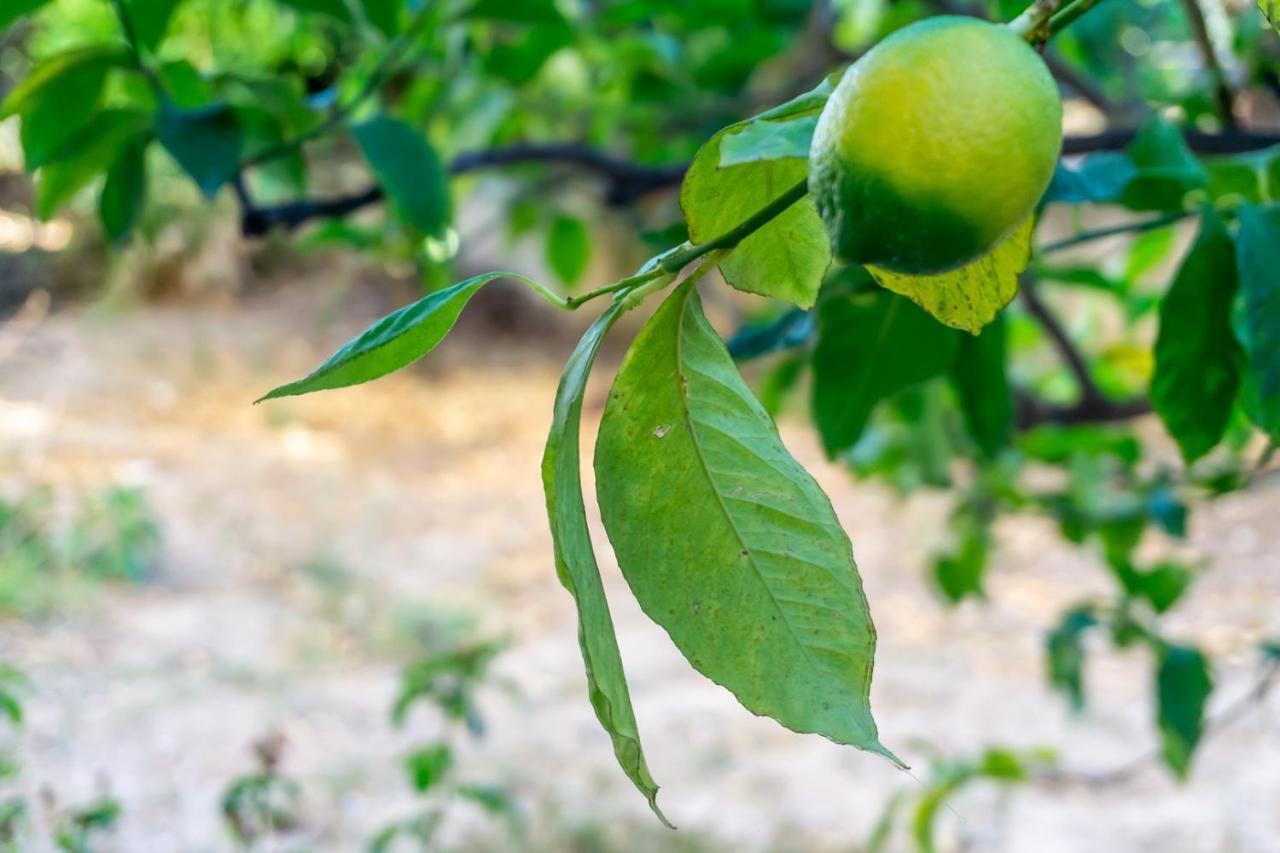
{"x":935,"y":146}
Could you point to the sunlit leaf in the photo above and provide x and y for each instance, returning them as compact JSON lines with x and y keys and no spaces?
{"x":397,"y":340}
{"x":576,"y":562}
{"x":968,"y":298}
{"x":1271,"y":8}
{"x":725,"y":540}
{"x":336,"y":9}
{"x":1197,"y":358}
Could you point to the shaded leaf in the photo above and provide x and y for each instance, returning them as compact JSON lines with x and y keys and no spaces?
{"x":1183,"y":685}
{"x":1166,"y":168}
{"x":1197,"y":358}
{"x":397,"y":340}
{"x":870,"y":346}
{"x":787,"y":331}
{"x":1100,"y":177}
{"x":96,"y":148}
{"x":576,"y":562}
{"x":1066,"y":654}
{"x":12,"y":10}
{"x":384,"y":15}
{"x":124,"y":190}
{"x":725,"y":540}
{"x":205,"y":141}
{"x":1258,"y":321}
{"x":967,"y":298}
{"x":981,"y":381}
{"x":568,"y":248}
{"x":150,"y":20}
{"x":408,"y":170}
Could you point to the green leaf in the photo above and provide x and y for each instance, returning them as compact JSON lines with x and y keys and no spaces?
{"x":96,"y":148}
{"x":408,"y":170}
{"x":1271,"y":8}
{"x":788,"y":257}
{"x":1183,"y":685}
{"x":493,"y":800}
{"x":397,"y":340}
{"x":1164,"y":585}
{"x":205,"y":141}
{"x":568,"y":248}
{"x":58,"y":100}
{"x":150,"y":20}
{"x":725,"y":540}
{"x":336,"y":9}
{"x":970,"y":297}
{"x":871,"y":346}
{"x":576,"y":562}
{"x":769,"y":140}
{"x":125,"y":190}
{"x":959,"y":572}
{"x":1258,"y":321}
{"x":524,"y":12}
{"x":12,"y":10}
{"x":1066,"y":654}
{"x":1197,"y":358}
{"x":981,"y":381}
{"x":1166,"y":168}
{"x":429,"y":765}
{"x":384,"y":15}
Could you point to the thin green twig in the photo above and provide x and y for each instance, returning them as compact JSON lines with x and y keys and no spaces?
{"x":679,"y":259}
{"x":1068,"y":14}
{"x":1115,"y":230}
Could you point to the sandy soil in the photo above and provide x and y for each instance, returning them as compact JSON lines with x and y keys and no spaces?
{"x":305,"y":540}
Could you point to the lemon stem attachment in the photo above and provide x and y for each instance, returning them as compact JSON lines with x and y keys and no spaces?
{"x":1033,"y":23}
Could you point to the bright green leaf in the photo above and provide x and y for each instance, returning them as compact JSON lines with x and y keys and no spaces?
{"x":725,"y":540}
{"x":1271,"y":8}
{"x":568,"y":248}
{"x":870,"y":346}
{"x":428,"y":766}
{"x":970,"y":297}
{"x":125,"y":189}
{"x":768,"y":140}
{"x":408,"y":170}
{"x":1197,"y":358}
{"x":576,"y":562}
{"x":58,"y":100}
{"x":206,"y":142}
{"x":1164,"y":585}
{"x":788,"y":257}
{"x":981,"y":381}
{"x":397,"y":340}
{"x":1183,"y":685}
{"x":1258,"y":321}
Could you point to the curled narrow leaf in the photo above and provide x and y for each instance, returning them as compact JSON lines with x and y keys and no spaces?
{"x":395,"y":341}
{"x":576,"y":563}
{"x":726,"y":541}
{"x":967,"y":298}
{"x":1197,"y":358}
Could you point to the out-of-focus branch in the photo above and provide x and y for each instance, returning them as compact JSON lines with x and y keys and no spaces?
{"x":1221,"y":88}
{"x":1228,"y":142}
{"x":1089,"y":392}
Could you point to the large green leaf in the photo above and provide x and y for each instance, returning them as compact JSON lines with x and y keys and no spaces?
{"x":576,"y":562}
{"x":206,"y":141}
{"x":1258,"y":322}
{"x":125,"y":189}
{"x":397,"y":340}
{"x":150,"y":20}
{"x":788,"y":257}
{"x":726,"y":541}
{"x":871,"y":346}
{"x":981,"y":381}
{"x":383,"y":14}
{"x":1197,"y":358}
{"x":58,"y":100}
{"x":408,"y":170}
{"x":96,"y":148}
{"x":969,"y":297}
{"x":12,"y":10}
{"x":1183,"y":685}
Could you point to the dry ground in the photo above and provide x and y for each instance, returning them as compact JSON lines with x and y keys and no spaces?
{"x":305,"y":539}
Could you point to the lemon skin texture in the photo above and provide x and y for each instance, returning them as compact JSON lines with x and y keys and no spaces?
{"x":935,"y":146}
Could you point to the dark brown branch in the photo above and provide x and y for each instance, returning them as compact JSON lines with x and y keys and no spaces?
{"x":1229,"y":142}
{"x":1089,"y":392}
{"x":625,"y":183}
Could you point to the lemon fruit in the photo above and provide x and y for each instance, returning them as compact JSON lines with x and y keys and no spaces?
{"x":935,"y":146}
